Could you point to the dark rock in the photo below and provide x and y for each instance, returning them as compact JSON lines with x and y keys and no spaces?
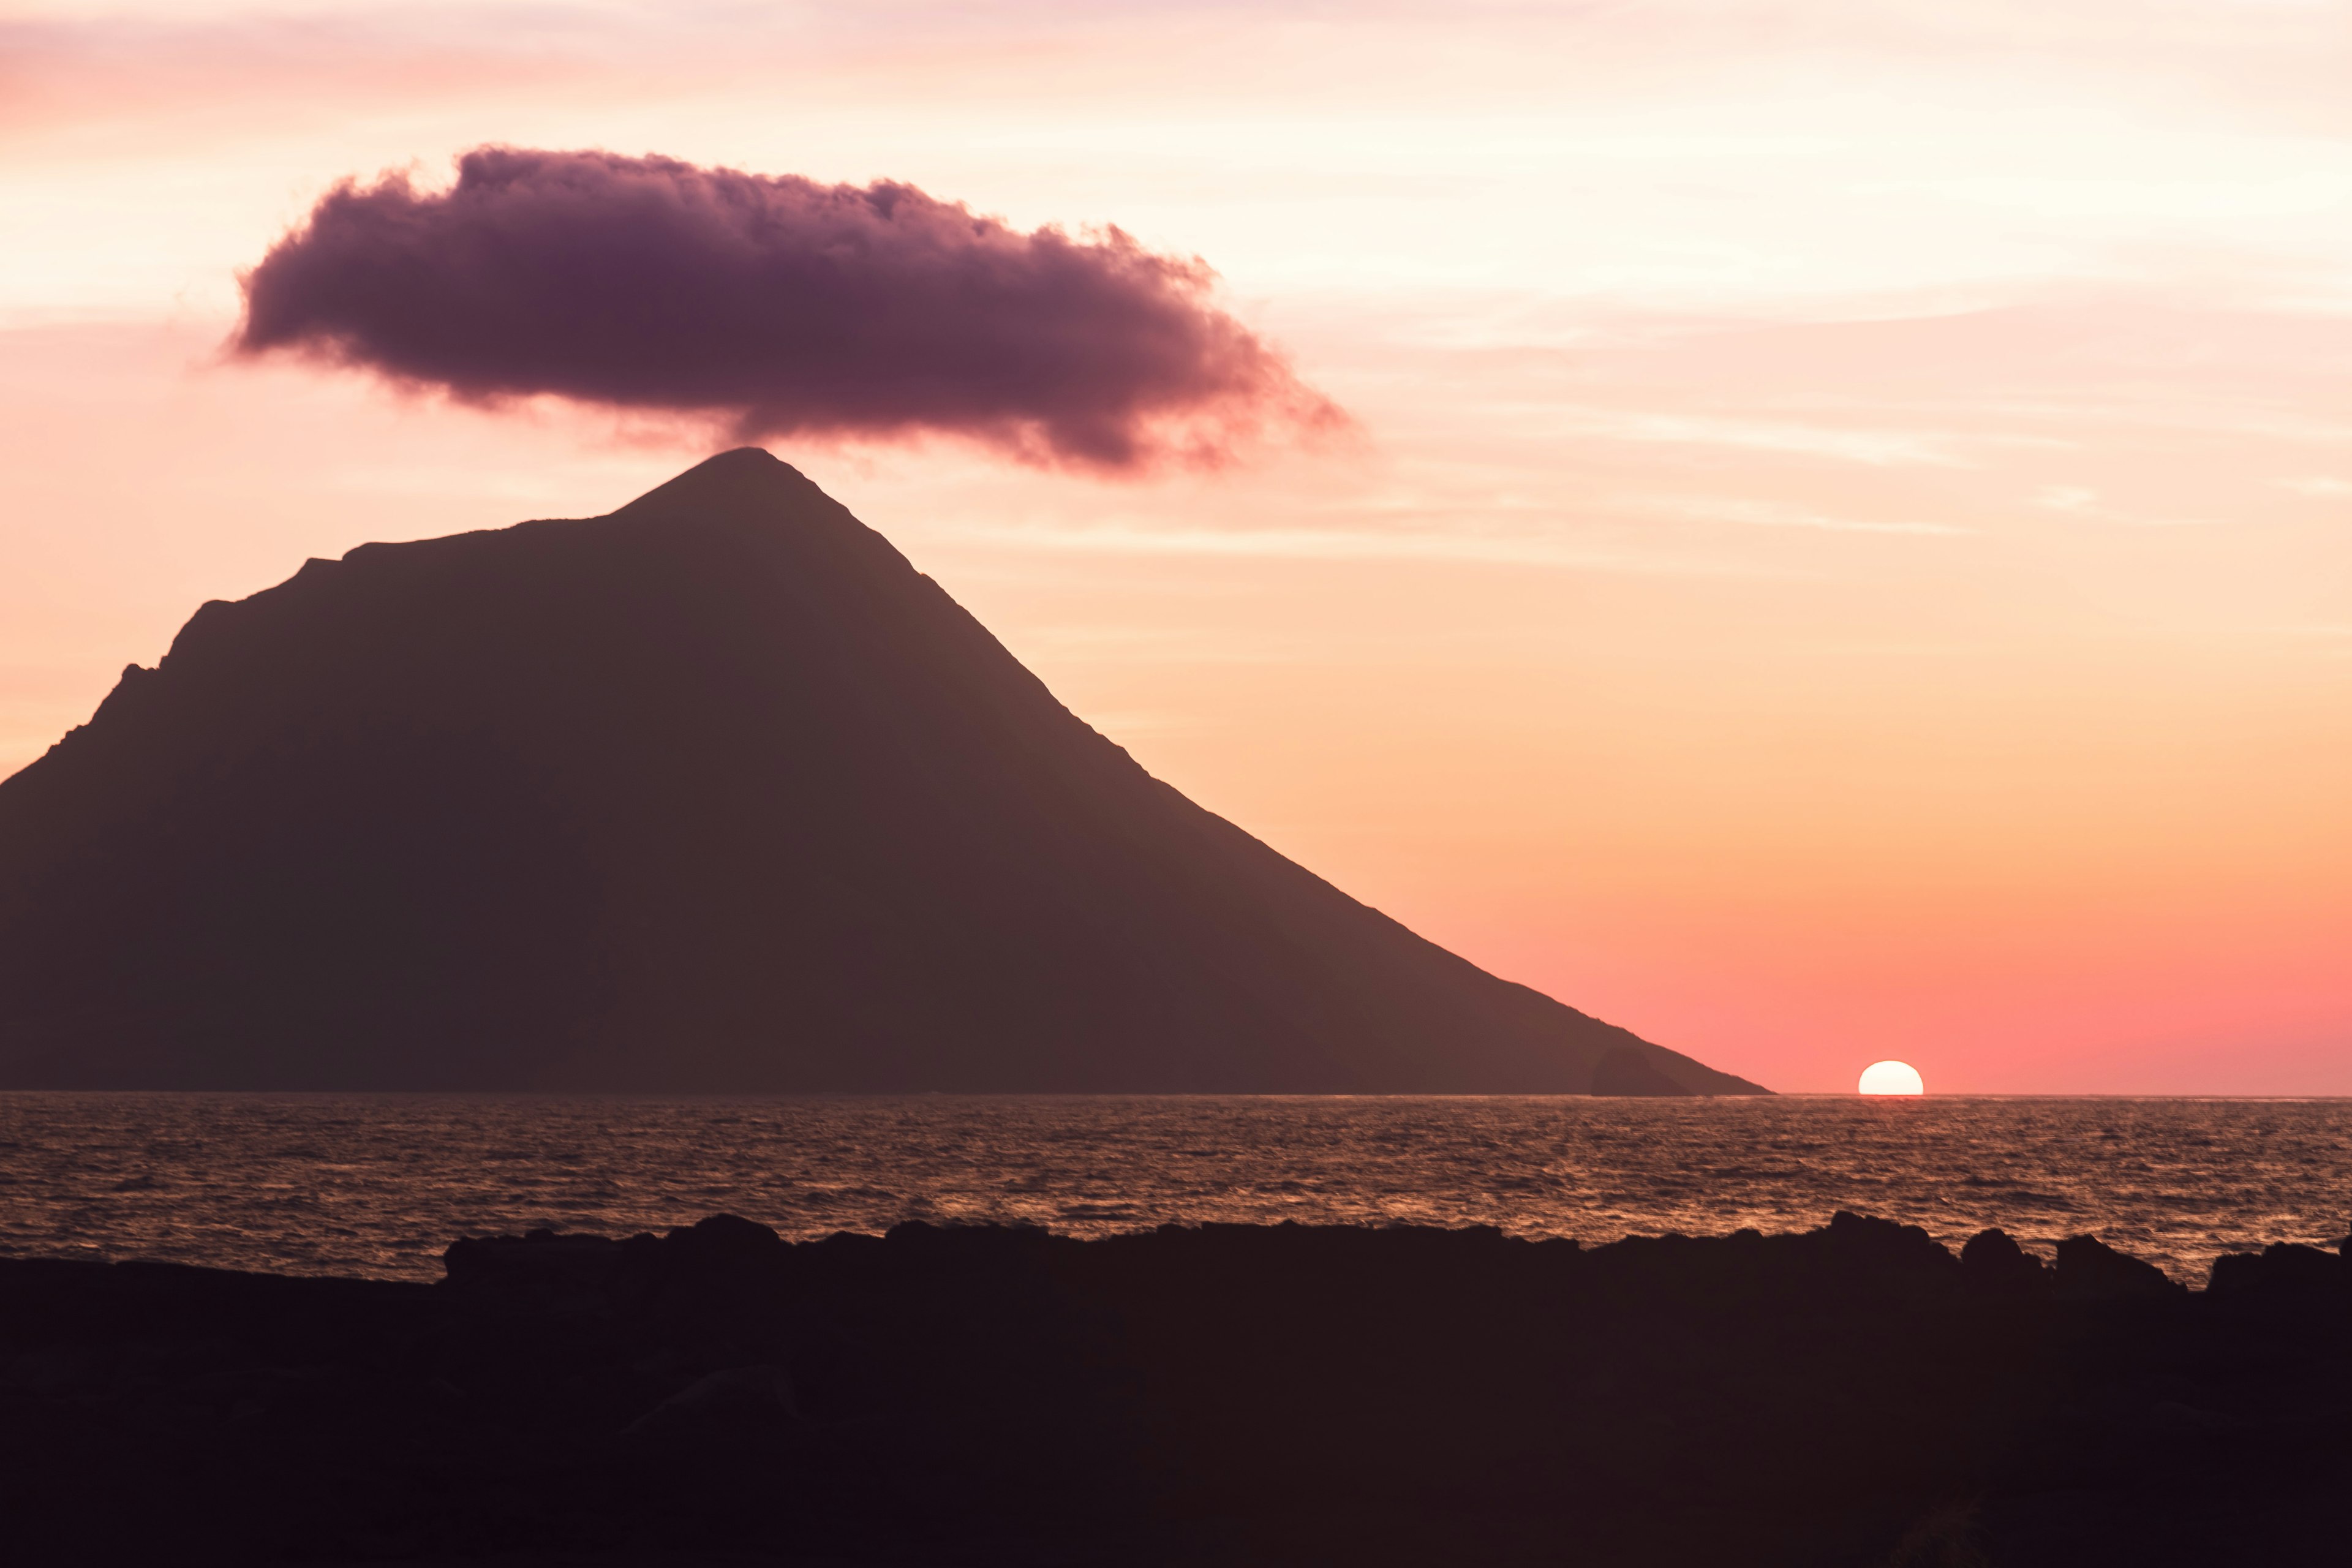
{"x":754,"y":1391}
{"x":726,"y":1241}
{"x":2089,"y":1266}
{"x":2173,"y":1418}
{"x":1853,"y":1257}
{"x":724,"y":1252}
{"x":1282,"y":1396}
{"x":1994,"y":1265}
{"x":1949,"y":1537}
{"x":1888,"y":1254}
{"x":49,"y":1370}
{"x":542,"y":1263}
{"x":2283,"y":1269}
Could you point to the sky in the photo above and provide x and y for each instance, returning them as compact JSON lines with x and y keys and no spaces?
{"x":1839,"y":546}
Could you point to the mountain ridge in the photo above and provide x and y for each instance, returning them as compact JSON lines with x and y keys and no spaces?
{"x":713,"y":792}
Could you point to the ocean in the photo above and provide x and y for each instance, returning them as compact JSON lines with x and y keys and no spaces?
{"x":379,"y":1185}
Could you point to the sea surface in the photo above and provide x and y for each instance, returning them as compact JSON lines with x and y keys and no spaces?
{"x":379,"y":1185}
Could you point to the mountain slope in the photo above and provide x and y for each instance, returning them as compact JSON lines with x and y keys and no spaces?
{"x":712,"y":793}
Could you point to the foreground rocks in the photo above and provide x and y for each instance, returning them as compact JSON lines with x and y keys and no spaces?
{"x":1228,"y":1395}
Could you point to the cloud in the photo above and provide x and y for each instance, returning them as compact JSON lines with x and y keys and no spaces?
{"x":1878,"y":448}
{"x":775,"y":306}
{"x":1767,"y":514}
{"x":1346,"y":544}
{"x":2075,"y":499}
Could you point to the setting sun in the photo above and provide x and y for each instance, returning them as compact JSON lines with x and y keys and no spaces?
{"x":1891,"y":1077}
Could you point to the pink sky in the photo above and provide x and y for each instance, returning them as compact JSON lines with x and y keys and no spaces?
{"x":1848,"y":552}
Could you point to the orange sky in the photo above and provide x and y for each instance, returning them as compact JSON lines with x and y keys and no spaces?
{"x":1848,"y":552}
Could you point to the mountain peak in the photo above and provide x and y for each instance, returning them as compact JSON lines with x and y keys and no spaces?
{"x":737,"y":801}
{"x":733,"y":483}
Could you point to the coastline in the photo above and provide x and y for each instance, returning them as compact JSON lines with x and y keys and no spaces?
{"x":377,"y":1185}
{"x":1261,"y":1395}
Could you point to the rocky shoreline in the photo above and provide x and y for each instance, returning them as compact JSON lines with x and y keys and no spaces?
{"x":1856,"y":1394}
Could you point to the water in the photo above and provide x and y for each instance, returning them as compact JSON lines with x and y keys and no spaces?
{"x":378,"y":1185}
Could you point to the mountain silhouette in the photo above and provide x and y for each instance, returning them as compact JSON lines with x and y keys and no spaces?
{"x":715,"y":793}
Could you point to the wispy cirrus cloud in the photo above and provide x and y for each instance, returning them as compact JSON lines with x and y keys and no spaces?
{"x":1847,"y":444}
{"x":1447,"y":547}
{"x":1773,"y":514}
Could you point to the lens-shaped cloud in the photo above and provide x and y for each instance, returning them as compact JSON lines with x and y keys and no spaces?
{"x":778,"y":306}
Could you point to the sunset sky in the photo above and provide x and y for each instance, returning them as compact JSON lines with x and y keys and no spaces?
{"x":1843,"y":549}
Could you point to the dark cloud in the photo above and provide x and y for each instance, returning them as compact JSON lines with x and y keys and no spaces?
{"x":776,"y":304}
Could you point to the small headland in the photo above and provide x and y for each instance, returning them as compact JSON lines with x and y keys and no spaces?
{"x":1855,"y":1394}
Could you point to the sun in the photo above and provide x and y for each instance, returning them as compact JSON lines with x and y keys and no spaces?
{"x":1891,"y":1077}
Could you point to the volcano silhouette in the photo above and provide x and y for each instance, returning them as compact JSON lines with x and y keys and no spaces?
{"x":716,"y":792}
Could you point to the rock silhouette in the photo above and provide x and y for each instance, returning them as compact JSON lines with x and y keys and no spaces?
{"x":715,"y":793}
{"x":1995,"y":1265}
{"x":1274,"y":1397}
{"x":2089,"y":1266}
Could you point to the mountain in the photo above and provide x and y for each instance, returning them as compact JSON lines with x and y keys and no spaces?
{"x":714,"y":793}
